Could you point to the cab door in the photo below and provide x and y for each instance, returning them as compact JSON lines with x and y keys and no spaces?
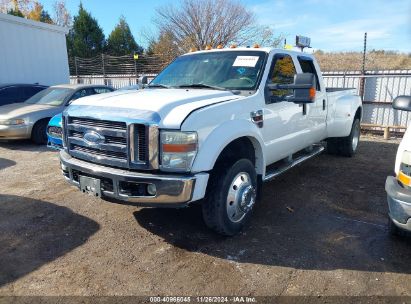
{"x":284,"y":122}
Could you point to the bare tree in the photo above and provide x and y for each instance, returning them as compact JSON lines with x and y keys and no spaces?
{"x":61,"y":15}
{"x":205,"y":22}
{"x":24,"y":6}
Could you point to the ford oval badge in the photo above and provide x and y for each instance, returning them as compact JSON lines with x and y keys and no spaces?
{"x":93,"y":138}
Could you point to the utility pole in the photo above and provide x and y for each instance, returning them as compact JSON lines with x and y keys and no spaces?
{"x":362,"y":83}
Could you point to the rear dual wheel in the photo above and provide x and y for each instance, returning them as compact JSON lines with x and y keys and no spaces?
{"x":346,"y":146}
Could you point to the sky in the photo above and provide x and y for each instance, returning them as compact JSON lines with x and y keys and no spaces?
{"x":332,"y":25}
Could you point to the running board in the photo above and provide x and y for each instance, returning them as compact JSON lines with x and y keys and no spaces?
{"x":316,"y":149}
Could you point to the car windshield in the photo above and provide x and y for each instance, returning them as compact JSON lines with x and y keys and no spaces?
{"x":50,"y":96}
{"x":231,"y":70}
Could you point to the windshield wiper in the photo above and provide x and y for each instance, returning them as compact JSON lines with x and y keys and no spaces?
{"x":201,"y":85}
{"x":158,"y":86}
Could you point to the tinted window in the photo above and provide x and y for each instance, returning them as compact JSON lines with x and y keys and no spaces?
{"x":30,"y":91}
{"x":307,"y":66}
{"x":282,"y":72}
{"x":11,"y":95}
{"x":102,"y":90}
{"x":83,"y":93}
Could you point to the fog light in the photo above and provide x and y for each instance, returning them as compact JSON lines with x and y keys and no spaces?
{"x":151,"y":189}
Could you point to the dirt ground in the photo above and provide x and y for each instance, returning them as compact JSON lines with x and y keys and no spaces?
{"x":320,"y":229}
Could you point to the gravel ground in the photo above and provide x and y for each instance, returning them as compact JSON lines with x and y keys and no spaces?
{"x":320,"y":229}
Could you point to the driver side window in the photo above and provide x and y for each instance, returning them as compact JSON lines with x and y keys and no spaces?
{"x":282,"y":72}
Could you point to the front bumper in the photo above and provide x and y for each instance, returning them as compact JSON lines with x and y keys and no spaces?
{"x":171,"y":190}
{"x":15,"y":132}
{"x":54,"y":143}
{"x":399,"y":203}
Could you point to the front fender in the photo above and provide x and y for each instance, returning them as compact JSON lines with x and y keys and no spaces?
{"x":214,"y":143}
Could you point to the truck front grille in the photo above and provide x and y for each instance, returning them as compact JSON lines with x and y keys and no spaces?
{"x":105,"y":142}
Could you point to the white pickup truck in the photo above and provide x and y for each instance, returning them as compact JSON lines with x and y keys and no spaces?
{"x":211,"y":127}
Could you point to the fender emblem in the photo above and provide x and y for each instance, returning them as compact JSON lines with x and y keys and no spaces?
{"x":257,"y":117}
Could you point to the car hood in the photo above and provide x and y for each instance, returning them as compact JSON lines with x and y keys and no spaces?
{"x":166,"y":107}
{"x":21,"y":110}
{"x":405,"y":145}
{"x":56,"y":120}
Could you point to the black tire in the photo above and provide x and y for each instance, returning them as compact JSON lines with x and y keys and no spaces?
{"x":216,"y":205}
{"x":396,"y":231}
{"x":346,"y":146}
{"x":38,"y":134}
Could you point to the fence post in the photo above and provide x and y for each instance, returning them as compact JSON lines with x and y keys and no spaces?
{"x":75,"y":66}
{"x":104,"y":69}
{"x":345,"y":72}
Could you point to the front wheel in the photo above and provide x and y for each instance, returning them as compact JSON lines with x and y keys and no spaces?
{"x":38,"y":134}
{"x":230,"y":198}
{"x":346,"y":146}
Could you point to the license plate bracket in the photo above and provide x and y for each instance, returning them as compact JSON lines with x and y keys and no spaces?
{"x":91,"y":186}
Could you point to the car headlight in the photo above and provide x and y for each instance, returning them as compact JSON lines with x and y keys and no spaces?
{"x":12,"y":122}
{"x":404,"y":176}
{"x":178,"y":150}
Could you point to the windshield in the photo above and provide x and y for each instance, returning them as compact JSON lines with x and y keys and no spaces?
{"x":231,"y":70}
{"x":50,"y":96}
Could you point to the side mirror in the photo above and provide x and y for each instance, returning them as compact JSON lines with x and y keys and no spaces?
{"x":304,"y":88}
{"x":402,"y":103}
{"x":143,"y":80}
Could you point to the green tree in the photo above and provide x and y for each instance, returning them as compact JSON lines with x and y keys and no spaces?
{"x":121,"y":40}
{"x":86,"y":38}
{"x":15,"y":12}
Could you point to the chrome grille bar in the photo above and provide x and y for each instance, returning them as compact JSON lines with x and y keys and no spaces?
{"x":107,"y":142}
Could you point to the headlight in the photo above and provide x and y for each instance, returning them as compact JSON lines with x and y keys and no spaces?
{"x":404,"y":176}
{"x":12,"y":122}
{"x":178,"y":150}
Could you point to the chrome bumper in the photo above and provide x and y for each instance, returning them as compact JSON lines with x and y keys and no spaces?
{"x":171,"y":190}
{"x":399,"y":203}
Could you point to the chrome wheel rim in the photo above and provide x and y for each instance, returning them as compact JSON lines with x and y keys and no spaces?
{"x":241,"y":197}
{"x":356,"y":137}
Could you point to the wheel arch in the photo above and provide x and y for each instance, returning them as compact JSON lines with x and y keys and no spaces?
{"x":238,"y":139}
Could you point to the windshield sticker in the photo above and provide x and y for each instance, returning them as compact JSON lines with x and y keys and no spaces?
{"x":241,"y":70}
{"x":246,"y":61}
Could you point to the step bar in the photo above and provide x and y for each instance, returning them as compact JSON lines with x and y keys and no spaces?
{"x":316,"y":149}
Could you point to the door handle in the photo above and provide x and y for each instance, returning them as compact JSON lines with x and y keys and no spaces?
{"x":323,"y":104}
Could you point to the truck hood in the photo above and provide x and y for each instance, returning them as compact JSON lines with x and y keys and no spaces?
{"x":22,"y":110}
{"x":166,"y":107}
{"x":405,"y":145}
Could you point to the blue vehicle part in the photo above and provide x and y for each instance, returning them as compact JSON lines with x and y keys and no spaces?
{"x":54,"y":133}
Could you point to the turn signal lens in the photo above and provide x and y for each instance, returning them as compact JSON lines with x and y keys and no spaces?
{"x":179,"y":148}
{"x":312,"y":93}
{"x":404,"y":179}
